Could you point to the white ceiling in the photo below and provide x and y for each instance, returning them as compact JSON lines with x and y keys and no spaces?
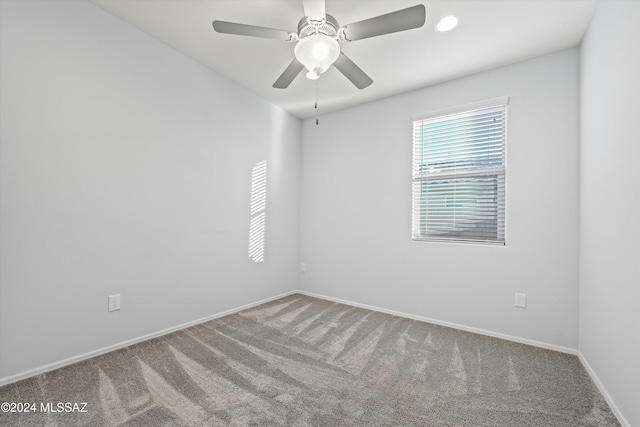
{"x":491,"y":33}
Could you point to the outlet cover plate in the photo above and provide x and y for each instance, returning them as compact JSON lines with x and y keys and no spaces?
{"x":114,"y":302}
{"x":521,"y":300}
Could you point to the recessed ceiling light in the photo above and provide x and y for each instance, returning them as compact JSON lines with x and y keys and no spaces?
{"x":447,"y":23}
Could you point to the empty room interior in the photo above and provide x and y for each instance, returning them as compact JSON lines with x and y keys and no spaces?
{"x":199,"y":228}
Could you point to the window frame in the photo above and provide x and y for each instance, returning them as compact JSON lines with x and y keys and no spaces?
{"x":418,"y":212}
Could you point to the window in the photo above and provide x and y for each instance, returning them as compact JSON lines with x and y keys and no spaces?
{"x":459,"y":174}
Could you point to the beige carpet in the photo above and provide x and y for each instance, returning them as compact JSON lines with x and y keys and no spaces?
{"x":302,"y":361}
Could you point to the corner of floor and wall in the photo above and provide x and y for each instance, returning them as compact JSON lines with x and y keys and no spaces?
{"x":118,"y":177}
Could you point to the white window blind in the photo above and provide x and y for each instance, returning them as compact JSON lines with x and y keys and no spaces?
{"x":459,"y":175}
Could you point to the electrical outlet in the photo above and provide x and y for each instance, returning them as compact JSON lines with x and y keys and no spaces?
{"x":521,"y":300}
{"x":303,"y":267}
{"x":114,"y":302}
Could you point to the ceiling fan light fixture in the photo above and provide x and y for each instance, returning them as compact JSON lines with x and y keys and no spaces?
{"x":317,"y":53}
{"x":447,"y":23}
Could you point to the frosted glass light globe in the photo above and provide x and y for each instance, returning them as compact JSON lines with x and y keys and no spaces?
{"x":317,"y":53}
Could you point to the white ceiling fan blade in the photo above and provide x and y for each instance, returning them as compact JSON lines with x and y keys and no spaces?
{"x":250,"y":30}
{"x":351,"y":71}
{"x":400,"y":20}
{"x":314,"y":9}
{"x":290,"y":73}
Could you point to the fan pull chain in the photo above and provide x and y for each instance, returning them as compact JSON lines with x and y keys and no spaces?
{"x":316,"y":104}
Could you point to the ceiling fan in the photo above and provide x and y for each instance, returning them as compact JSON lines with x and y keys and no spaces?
{"x":317,"y":46}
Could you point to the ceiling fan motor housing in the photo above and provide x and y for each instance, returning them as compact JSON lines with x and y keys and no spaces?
{"x":328,"y":27}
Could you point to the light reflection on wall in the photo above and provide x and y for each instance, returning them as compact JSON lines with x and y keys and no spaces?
{"x":258,"y":211}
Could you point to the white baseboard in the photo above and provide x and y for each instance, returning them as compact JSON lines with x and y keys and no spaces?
{"x":603,"y":391}
{"x":448,"y":324}
{"x":75,"y":359}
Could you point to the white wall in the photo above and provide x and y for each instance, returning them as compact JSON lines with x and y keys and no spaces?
{"x":609,"y":205}
{"x":126,"y":168}
{"x":356,"y":209}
